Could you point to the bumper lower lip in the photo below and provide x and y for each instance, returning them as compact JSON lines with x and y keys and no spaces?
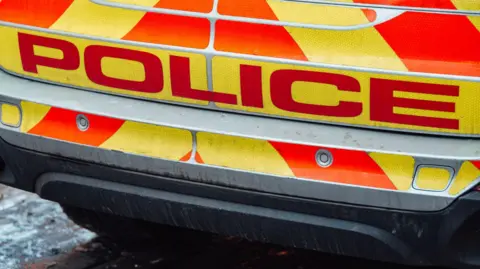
{"x":232,"y":218}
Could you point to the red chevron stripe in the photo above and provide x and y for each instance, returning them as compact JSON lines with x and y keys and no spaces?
{"x":172,"y":29}
{"x":349,"y":166}
{"x":33,"y":12}
{"x":434,"y":43}
{"x":254,"y":39}
{"x":61,"y":124}
{"x":476,"y":163}
{"x":440,"y":4}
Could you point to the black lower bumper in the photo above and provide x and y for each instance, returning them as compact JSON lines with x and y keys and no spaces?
{"x":448,"y":237}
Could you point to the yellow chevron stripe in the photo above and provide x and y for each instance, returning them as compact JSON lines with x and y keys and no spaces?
{"x":365,"y":47}
{"x":398,"y":168}
{"x":32,"y":114}
{"x":316,"y":14}
{"x":467,"y":174}
{"x":85,"y":17}
{"x":476,"y":21}
{"x":151,"y":140}
{"x":241,"y":153}
{"x":469,"y":5}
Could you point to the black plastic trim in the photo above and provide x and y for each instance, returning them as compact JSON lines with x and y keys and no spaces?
{"x":252,"y":222}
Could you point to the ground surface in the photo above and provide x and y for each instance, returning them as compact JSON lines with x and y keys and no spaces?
{"x":35,"y":234}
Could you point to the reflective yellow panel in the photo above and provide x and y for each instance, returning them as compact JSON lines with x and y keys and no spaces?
{"x":11,"y":115}
{"x":467,"y":175}
{"x":432,"y":178}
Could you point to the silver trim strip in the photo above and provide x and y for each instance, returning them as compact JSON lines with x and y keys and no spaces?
{"x":404,"y":8}
{"x":383,"y":15}
{"x":195,"y":119}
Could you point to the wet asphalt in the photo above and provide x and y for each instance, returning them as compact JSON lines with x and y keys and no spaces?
{"x":35,"y":234}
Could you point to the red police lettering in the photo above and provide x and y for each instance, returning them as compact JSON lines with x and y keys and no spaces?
{"x":152,"y":83}
{"x":383,"y":102}
{"x":281,"y":92}
{"x":382,"y":99}
{"x":182,"y":86}
{"x":31,"y":61}
{"x":251,"y":85}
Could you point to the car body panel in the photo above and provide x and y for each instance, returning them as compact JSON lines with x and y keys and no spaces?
{"x":130,"y":161}
{"x":356,"y":66}
{"x":322,"y":109}
{"x":182,"y":142}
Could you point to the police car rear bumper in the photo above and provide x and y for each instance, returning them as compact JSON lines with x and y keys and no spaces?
{"x":429,"y":150}
{"x":447,"y":237}
{"x":409,"y":227}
